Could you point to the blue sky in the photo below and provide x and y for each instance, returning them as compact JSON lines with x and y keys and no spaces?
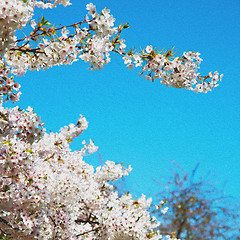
{"x":146,"y":124}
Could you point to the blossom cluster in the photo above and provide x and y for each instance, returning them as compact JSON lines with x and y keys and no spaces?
{"x":48,"y":3}
{"x":8,"y":85}
{"x":14,"y":15}
{"x":49,"y":192}
{"x":177,"y":72}
{"x":25,"y":125}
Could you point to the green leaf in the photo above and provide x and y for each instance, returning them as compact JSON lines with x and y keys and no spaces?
{"x":6,"y":188}
{"x":42,"y":20}
{"x":125,"y":26}
{"x":68,"y":140}
{"x":29,"y":150}
{"x":47,"y":23}
{"x":7,"y":142}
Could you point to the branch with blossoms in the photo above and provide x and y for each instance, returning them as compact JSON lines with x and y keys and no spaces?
{"x":92,"y":40}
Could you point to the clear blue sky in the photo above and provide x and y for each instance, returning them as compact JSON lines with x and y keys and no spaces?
{"x":146,"y":124}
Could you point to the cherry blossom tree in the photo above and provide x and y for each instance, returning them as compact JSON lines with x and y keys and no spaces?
{"x":198,"y":209}
{"x":46,"y":190}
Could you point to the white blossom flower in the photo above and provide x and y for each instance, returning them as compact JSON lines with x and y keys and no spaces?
{"x":149,"y":49}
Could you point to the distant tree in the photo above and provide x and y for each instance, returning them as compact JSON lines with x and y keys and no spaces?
{"x":197,"y":209}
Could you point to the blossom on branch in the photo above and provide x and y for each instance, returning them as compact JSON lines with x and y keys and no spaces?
{"x":92,"y":39}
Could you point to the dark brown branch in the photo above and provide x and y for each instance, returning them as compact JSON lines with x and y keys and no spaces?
{"x":46,"y":32}
{"x":93,"y":230}
{"x":86,"y":221}
{"x":33,"y":50}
